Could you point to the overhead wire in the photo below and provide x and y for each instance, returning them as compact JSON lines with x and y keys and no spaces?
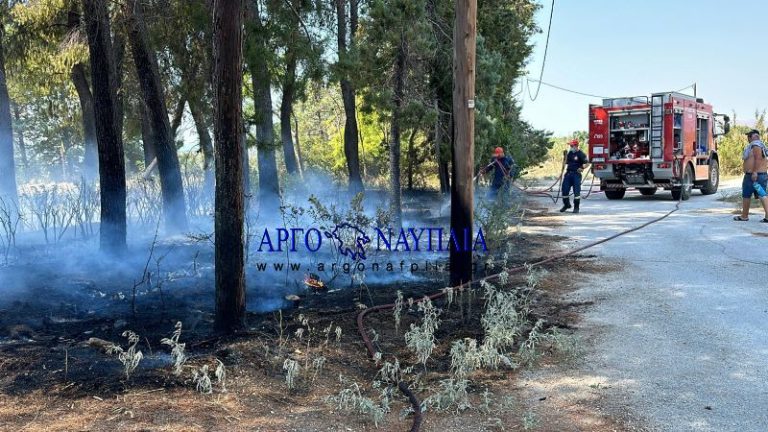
{"x":539,"y":81}
{"x":588,"y":94}
{"x":546,"y":49}
{"x":565,"y":89}
{"x":522,"y":88}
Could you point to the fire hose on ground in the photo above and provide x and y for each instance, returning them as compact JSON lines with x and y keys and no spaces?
{"x":402,"y":386}
{"x":548,"y":191}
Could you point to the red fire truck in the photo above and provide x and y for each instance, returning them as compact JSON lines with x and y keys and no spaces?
{"x":665,"y":141}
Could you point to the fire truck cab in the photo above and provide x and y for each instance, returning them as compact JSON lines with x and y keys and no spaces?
{"x":665,"y":141}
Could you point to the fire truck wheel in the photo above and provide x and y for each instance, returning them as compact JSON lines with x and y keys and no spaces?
{"x":710,"y":186}
{"x":647,"y":191}
{"x":615,"y":194}
{"x":684,"y":192}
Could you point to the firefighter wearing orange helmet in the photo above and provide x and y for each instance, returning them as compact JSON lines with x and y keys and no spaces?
{"x":575,"y":160}
{"x":504,"y":171}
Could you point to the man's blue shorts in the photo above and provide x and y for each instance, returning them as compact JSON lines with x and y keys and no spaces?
{"x":746,"y":185}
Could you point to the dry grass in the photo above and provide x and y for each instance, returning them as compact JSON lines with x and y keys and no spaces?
{"x":257,"y":397}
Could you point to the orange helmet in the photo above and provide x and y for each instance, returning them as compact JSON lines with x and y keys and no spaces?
{"x":498,"y":151}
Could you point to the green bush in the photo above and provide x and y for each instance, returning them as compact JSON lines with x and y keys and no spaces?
{"x":732,"y":144}
{"x":551,"y":165}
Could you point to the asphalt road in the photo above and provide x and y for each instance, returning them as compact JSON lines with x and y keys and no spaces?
{"x":677,"y":333}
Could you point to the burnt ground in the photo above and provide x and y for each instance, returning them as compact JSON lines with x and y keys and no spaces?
{"x":51,"y":379}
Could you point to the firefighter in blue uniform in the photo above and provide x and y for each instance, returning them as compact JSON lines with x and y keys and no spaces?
{"x":575,"y":160}
{"x":503,"y":171}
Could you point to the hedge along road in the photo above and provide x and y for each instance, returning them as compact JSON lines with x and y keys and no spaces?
{"x":678,"y":332}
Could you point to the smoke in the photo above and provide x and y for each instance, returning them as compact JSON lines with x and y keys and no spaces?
{"x":55,"y":269}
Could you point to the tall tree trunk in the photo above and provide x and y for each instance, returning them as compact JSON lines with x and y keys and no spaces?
{"x":269,"y":187}
{"x":66,"y":163}
{"x":228,"y":126}
{"x":206,"y":146}
{"x":446,"y":155}
{"x":351,"y":151}
{"x":443,"y":135}
{"x":178,"y":114}
{"x":8,"y":190}
{"x":286,"y":108}
{"x":80,"y":81}
{"x":299,"y":157}
{"x":411,"y":158}
{"x":441,"y":83}
{"x":361,"y":141}
{"x":152,"y":89}
{"x":147,"y":137}
{"x":22,"y":145}
{"x":394,"y":146}
{"x":111,"y":158}
{"x":246,"y":169}
{"x":62,"y":162}
{"x":91,"y":156}
{"x":118,"y":45}
{"x":68,"y":144}
{"x":261,"y":79}
{"x":440,"y":158}
{"x":462,"y":192}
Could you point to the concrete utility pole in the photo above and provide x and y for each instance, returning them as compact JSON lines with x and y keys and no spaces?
{"x":462,"y":189}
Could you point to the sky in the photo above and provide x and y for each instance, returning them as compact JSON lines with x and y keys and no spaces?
{"x":630,"y":48}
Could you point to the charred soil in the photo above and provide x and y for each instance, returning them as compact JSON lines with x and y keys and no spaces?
{"x":52,"y":378}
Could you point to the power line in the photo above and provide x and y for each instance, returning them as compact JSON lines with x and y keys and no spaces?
{"x":583,"y":93}
{"x":522,"y":88}
{"x":546,"y":48}
{"x":564,"y":89}
{"x":543,"y":64}
{"x":687,"y":87}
